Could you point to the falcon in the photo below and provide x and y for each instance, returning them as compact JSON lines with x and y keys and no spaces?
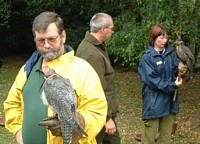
{"x":187,"y":59}
{"x":186,"y":63}
{"x":59,"y":94}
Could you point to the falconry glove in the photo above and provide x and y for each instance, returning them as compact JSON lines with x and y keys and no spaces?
{"x":53,"y":124}
{"x":182,"y":70}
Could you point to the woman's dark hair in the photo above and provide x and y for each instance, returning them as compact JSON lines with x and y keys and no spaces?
{"x":155,"y":32}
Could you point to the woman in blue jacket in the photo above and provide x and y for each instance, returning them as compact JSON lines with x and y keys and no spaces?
{"x":158,"y":69}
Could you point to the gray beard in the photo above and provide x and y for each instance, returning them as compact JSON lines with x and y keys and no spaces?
{"x":50,"y":56}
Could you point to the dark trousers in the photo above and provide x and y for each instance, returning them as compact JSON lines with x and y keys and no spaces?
{"x":104,"y":138}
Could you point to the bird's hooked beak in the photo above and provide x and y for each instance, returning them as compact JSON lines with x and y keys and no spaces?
{"x":178,"y":41}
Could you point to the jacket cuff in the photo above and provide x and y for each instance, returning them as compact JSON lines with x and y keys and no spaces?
{"x":175,"y":86}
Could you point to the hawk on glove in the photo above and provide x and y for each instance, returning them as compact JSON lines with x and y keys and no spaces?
{"x":59,"y":94}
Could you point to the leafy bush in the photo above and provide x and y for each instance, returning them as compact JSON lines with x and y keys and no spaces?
{"x":134,"y":24}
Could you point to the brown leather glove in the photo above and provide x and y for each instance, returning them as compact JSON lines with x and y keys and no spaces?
{"x":53,"y":124}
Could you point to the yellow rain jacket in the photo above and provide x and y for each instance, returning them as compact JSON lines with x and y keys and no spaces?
{"x":91,"y":101}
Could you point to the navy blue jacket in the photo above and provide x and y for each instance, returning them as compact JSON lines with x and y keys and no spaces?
{"x":158,"y":73}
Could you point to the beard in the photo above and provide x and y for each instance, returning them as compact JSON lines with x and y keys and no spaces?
{"x":51,"y":54}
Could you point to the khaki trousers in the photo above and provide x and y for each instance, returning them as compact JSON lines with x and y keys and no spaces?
{"x":161,"y":127}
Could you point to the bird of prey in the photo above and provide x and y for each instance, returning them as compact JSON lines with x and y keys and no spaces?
{"x":186,"y":63}
{"x":59,"y":94}
{"x":187,"y":59}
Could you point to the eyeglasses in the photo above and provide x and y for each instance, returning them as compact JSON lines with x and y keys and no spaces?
{"x":51,"y":41}
{"x":112,"y":28}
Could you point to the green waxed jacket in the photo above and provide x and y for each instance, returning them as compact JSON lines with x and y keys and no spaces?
{"x":95,"y":53}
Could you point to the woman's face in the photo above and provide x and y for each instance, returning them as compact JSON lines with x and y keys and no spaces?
{"x":160,"y":41}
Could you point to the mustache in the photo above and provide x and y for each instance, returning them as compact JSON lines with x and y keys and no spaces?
{"x":50,"y":54}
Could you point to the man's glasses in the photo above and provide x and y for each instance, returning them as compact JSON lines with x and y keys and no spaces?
{"x":112,"y":28}
{"x":51,"y":41}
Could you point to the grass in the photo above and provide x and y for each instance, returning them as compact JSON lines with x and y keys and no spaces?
{"x":11,"y":65}
{"x":129,"y":97}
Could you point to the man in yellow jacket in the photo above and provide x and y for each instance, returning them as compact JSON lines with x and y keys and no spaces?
{"x":24,"y":108}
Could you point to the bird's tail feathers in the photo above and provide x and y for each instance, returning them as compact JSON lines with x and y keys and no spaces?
{"x":189,"y":75}
{"x":74,"y":124}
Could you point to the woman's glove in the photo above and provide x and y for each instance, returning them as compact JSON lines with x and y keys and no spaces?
{"x":182,"y":70}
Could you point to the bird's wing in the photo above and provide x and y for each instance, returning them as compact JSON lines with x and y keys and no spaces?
{"x":71,"y":99}
{"x":181,"y":54}
{"x":189,"y":57}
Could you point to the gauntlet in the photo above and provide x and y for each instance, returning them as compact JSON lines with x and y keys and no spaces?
{"x":182,"y":70}
{"x":53,"y":124}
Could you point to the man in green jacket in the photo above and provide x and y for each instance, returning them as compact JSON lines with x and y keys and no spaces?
{"x":92,"y":49}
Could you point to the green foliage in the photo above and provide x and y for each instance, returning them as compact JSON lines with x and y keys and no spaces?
{"x":133,"y":26}
{"x":133,"y":21}
{"x":128,"y":41}
{"x":5,"y":12}
{"x":75,"y":36}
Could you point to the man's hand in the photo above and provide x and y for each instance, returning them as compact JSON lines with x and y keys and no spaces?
{"x":110,"y":127}
{"x":53,"y":124}
{"x":18,"y":136}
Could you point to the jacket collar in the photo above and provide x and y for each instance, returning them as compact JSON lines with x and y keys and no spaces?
{"x":153,"y":52}
{"x":93,"y":40}
{"x":36,"y":56}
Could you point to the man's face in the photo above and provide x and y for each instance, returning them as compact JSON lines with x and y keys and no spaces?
{"x":50,"y":44}
{"x":108,"y":31}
